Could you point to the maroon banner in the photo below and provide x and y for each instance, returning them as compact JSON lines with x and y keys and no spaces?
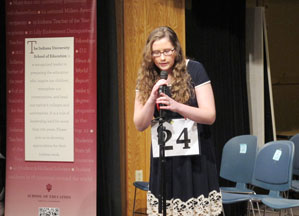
{"x":51,"y":107}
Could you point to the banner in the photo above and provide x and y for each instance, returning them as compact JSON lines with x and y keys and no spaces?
{"x":51,"y":107}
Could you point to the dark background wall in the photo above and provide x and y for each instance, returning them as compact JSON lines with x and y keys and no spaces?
{"x":283,"y":33}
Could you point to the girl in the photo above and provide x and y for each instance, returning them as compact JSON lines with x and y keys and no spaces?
{"x":191,"y":180}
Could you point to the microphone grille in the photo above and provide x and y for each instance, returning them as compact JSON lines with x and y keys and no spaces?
{"x":163,"y":74}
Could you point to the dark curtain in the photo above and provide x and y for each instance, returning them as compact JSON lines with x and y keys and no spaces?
{"x":215,"y":36}
{"x":2,"y":93}
{"x":109,"y":187}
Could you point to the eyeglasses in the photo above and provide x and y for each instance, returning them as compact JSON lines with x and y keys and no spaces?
{"x":166,"y":52}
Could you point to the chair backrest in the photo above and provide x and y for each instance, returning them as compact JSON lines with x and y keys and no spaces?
{"x":295,"y":140}
{"x":273,"y":166}
{"x":238,"y":158}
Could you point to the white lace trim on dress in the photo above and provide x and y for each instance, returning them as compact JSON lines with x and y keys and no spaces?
{"x":203,"y":206}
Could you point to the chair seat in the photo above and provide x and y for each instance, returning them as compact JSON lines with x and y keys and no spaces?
{"x":295,"y":185}
{"x":236,"y":190}
{"x":280,"y":203}
{"x":141,"y":185}
{"x":228,"y":198}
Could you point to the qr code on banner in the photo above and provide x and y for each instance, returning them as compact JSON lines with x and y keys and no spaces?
{"x":46,"y":211}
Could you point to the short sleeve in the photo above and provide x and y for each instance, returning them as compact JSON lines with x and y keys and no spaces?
{"x":198,"y":73}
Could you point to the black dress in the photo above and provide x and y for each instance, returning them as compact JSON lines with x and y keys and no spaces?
{"x":191,"y":181}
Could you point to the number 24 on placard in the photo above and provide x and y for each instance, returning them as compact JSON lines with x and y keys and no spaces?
{"x":182,"y":138}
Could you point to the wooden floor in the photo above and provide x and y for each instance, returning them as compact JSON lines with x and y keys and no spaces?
{"x":270,"y":212}
{"x":267,"y":213}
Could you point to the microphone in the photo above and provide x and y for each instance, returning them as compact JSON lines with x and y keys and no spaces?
{"x":163,"y":88}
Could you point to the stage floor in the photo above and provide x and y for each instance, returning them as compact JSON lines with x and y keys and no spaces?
{"x":270,"y":212}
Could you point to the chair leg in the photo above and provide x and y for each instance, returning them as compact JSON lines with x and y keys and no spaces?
{"x":252,"y":208}
{"x":134,"y":202}
{"x":248,"y":210}
{"x":258,"y":208}
{"x":136,"y":212}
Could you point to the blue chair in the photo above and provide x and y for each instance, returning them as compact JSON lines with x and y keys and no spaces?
{"x":273,"y":172}
{"x":141,"y":185}
{"x":237,"y":163}
{"x":295,"y":183}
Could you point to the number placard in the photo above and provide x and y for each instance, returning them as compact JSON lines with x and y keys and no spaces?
{"x":181,"y":138}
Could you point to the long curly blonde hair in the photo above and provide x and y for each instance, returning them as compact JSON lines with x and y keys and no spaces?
{"x":149,"y":73}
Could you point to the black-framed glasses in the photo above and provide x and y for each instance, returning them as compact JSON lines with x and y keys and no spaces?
{"x":166,"y":52}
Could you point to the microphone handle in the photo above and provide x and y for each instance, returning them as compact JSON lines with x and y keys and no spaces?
{"x":163,"y":89}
